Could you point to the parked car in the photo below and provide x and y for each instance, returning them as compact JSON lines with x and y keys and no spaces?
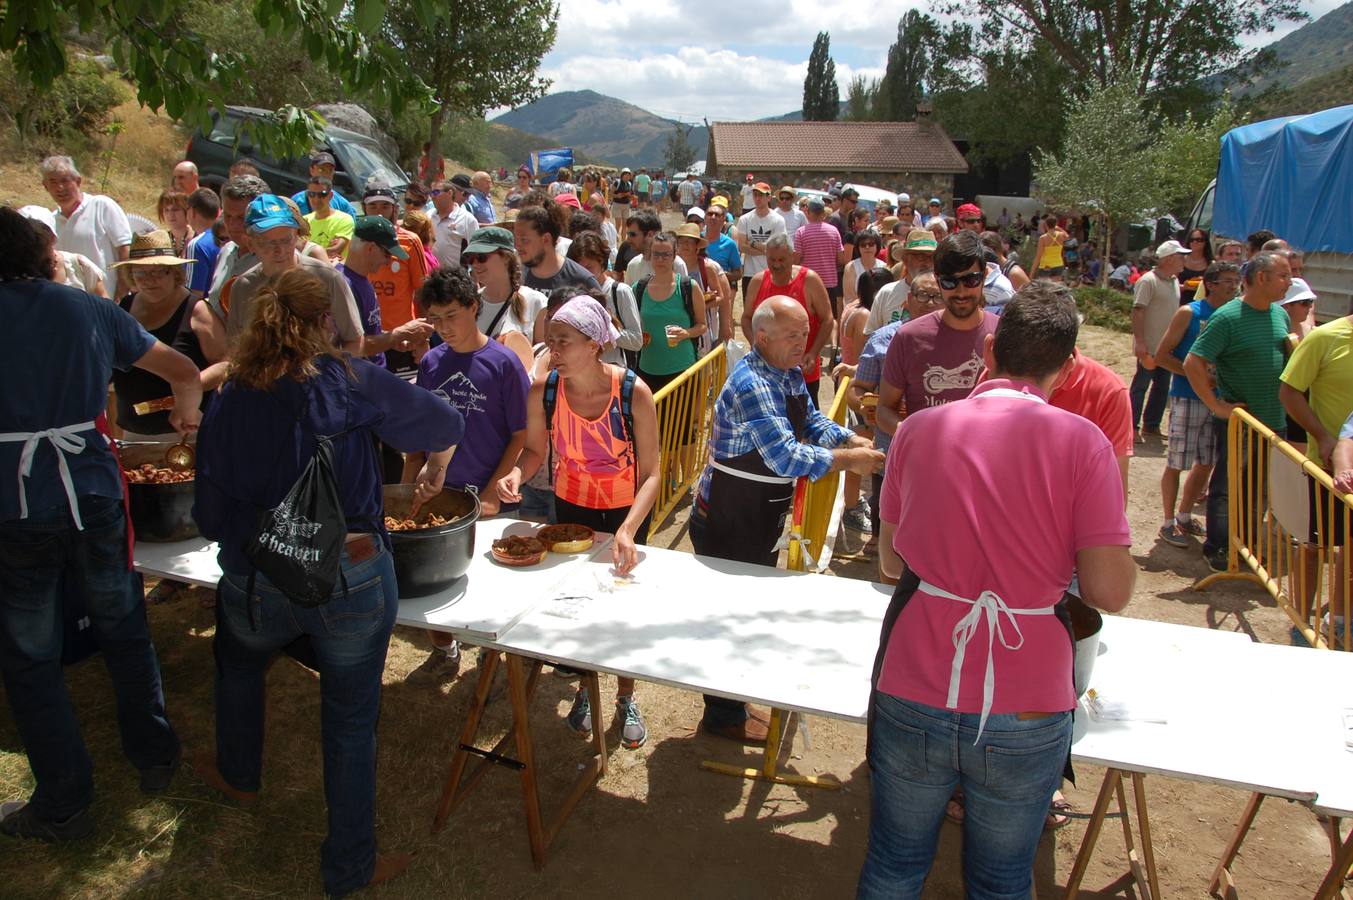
{"x":357,"y":157}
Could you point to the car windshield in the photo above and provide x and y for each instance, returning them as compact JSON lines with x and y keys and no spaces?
{"x":367,"y":161}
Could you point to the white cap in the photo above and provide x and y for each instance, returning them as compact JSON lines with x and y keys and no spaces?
{"x":40,"y":214}
{"x":903,"y":198}
{"x":696,"y":213}
{"x":1299,"y":290}
{"x":1169,"y":248}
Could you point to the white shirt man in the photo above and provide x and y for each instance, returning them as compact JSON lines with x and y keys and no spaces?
{"x":747,"y":199}
{"x":453,"y":225}
{"x":89,"y":224}
{"x":793,"y":216}
{"x":755,"y":229}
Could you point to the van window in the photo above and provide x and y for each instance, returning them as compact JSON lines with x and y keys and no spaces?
{"x":1205,"y":209}
{"x":367,"y":161}
{"x":223,"y":131}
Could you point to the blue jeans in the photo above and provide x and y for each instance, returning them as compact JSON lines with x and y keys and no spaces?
{"x":350,"y":637}
{"x":918,"y":755}
{"x":35,"y":555}
{"x":1158,"y":380}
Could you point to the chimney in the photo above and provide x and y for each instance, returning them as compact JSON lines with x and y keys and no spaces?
{"x":924,"y":110}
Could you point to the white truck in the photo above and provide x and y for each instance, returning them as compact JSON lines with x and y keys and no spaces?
{"x":1294,"y":177}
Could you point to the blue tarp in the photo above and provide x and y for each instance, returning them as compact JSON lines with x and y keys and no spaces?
{"x":1293,"y":176}
{"x":547,"y":162}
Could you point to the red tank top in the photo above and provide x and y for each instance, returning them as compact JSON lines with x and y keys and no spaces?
{"x":794,"y":289}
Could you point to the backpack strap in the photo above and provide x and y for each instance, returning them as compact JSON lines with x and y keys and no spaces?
{"x":548,"y":400}
{"x":688,"y":300}
{"x":627,"y":408}
{"x":641,"y":288}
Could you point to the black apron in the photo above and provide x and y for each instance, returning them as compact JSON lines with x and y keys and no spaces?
{"x":907,"y":586}
{"x":751,"y":514}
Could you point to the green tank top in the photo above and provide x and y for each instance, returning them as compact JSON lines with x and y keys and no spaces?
{"x":657,"y":358}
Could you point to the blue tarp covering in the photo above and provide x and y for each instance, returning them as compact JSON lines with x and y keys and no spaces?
{"x":547,"y":162}
{"x":1293,"y":176}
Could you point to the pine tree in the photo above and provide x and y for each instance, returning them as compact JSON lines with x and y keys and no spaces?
{"x":821,"y":94}
{"x":909,"y":61}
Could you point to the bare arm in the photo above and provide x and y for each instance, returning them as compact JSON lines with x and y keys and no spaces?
{"x":699,"y":326}
{"x":184,"y":380}
{"x":1299,"y":408}
{"x":1165,"y":357}
{"x":412,"y":332}
{"x":534,"y":449}
{"x":1018,"y":277}
{"x":890,"y":399}
{"x":489,"y":501}
{"x":1195,"y":369}
{"x":1343,"y":465}
{"x":623,"y":552}
{"x":753,"y":288}
{"x":518,"y":344}
{"x":725,"y":309}
{"x":890,"y":564}
{"x":1107,"y":575}
{"x":1139,"y":348}
{"x":821,"y":306}
{"x":211,"y":337}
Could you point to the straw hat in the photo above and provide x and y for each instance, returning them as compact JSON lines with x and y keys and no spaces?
{"x":691,"y":230}
{"x":152,"y":248}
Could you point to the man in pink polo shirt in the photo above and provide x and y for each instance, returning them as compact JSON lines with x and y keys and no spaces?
{"x":993,"y":502}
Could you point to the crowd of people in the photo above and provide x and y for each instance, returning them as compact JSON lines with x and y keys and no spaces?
{"x":414,"y":334}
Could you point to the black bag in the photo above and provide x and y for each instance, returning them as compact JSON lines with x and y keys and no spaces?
{"x":299,"y":543}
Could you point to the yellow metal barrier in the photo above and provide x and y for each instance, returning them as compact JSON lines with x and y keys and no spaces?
{"x":685,"y":413}
{"x":814,"y":502}
{"x":1289,"y":531}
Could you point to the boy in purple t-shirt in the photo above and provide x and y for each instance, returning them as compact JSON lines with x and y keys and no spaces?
{"x":488,"y":385}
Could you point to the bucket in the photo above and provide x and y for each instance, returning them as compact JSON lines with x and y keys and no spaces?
{"x":1086,"y":624}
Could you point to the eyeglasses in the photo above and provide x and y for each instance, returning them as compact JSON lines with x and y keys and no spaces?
{"x":789,"y":197}
{"x":661,"y":254}
{"x":318,"y":194}
{"x":479,"y":258}
{"x":436,"y":192}
{"x":1197,"y":240}
{"x":931,"y":297}
{"x":412,"y":201}
{"x":970,"y":280}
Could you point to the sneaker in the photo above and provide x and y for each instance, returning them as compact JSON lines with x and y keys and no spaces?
{"x":1192,"y":526}
{"x":580,"y":716}
{"x":857,"y":518}
{"x":17,"y":819}
{"x":633,"y":734}
{"x":442,"y":664}
{"x":1218,"y":562}
{"x":1173,"y":535}
{"x":565,"y":672}
{"x":156,"y":779}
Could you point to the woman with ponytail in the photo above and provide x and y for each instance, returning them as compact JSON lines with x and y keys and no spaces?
{"x":286,"y":386}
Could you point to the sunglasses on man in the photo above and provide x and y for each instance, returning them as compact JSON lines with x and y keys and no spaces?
{"x":471,"y":258}
{"x":970,"y":280}
{"x":318,"y":194}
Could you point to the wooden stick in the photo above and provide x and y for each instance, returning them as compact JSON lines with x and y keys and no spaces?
{"x":521,"y":726}
{"x":1223,"y":885}
{"x":1112,"y":778}
{"x":488,"y":666}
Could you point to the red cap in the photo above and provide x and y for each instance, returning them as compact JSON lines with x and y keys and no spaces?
{"x":567,"y":199}
{"x":761,"y":188}
{"x":969,"y":211}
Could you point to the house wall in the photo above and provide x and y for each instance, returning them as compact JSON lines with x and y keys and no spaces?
{"x":921,"y":185}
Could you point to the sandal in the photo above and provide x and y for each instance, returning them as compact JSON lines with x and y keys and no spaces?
{"x":953,"y":807}
{"x":1059,"y":813}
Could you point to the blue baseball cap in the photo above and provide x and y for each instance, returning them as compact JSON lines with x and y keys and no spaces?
{"x":267,"y":211}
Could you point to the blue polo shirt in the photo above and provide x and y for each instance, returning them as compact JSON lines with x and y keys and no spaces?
{"x":253,"y":445}
{"x":724,"y":251}
{"x":60,"y":346}
{"x":204,"y":253}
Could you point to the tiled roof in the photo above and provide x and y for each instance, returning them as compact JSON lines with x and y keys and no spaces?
{"x":836,"y":146}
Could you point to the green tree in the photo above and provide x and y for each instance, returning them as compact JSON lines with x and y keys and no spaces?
{"x":679,"y":152}
{"x":821,"y":94}
{"x":909,"y":62}
{"x":176,"y":68}
{"x":476,"y":55}
{"x":860,"y":99}
{"x":1108,"y":164}
{"x":1187,"y":154}
{"x":1161,"y":47}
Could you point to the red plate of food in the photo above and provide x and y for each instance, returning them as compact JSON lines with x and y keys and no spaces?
{"x":518,"y":550}
{"x":566,"y":538}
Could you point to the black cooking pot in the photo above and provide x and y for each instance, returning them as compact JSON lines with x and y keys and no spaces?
{"x":428,"y":560}
{"x":161,"y":513}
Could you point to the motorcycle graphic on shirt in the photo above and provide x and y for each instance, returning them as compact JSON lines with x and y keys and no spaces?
{"x":938,"y":379}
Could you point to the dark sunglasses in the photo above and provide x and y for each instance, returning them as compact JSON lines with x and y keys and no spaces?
{"x":436,"y":192}
{"x":318,"y":193}
{"x":480,"y":258}
{"x":951,"y":282}
{"x":412,"y":201}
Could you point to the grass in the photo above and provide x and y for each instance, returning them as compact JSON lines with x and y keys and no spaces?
{"x":1105,"y":307}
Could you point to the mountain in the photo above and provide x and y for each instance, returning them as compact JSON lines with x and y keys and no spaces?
{"x":1316,"y":48}
{"x":1312,"y":95}
{"x":510,"y":147}
{"x":602,"y":127}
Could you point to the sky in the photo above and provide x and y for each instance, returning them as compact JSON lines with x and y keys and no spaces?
{"x":671,"y":57}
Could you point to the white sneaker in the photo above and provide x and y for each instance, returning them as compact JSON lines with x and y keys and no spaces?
{"x":857,"y":518}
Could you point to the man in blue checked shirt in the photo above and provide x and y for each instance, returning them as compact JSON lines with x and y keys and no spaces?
{"x":765,"y":436}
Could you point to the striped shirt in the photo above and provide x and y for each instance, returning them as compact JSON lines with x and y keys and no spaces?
{"x":818,"y":244}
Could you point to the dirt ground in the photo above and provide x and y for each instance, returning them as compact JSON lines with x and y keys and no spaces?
{"x":656,"y":825}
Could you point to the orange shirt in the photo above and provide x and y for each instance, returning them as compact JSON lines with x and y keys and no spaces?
{"x":594,"y":464}
{"x":397,"y":281}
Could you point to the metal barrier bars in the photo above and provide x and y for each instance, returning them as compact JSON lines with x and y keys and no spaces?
{"x":685,"y":416}
{"x":1290,"y":529}
{"x":814,"y":502}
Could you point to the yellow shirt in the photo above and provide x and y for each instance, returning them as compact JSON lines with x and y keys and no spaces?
{"x":323,"y":231}
{"x":1323,"y":365}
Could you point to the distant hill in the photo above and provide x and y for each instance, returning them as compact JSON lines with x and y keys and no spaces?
{"x":797,"y":115}
{"x":1312,"y":95}
{"x":600,"y":126}
{"x":510,"y":147}
{"x":1317,"y":48}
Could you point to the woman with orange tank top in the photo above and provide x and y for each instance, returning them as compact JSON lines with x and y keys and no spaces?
{"x":602,"y":439}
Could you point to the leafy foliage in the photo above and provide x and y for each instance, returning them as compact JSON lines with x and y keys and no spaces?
{"x":821,"y":94}
{"x":910,"y":59}
{"x":76,"y":107}
{"x":1105,"y":307}
{"x":176,"y":68}
{"x":476,"y":54}
{"x":1187,"y":154}
{"x":680,"y":153}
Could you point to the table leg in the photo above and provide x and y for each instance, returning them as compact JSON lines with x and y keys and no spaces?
{"x":1223,"y":884}
{"x":521,"y":727}
{"x":1112,"y":779}
{"x":451,"y":792}
{"x":1144,"y":827}
{"x":1332,"y":886}
{"x":593,"y":770}
{"x":769,"y":769}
